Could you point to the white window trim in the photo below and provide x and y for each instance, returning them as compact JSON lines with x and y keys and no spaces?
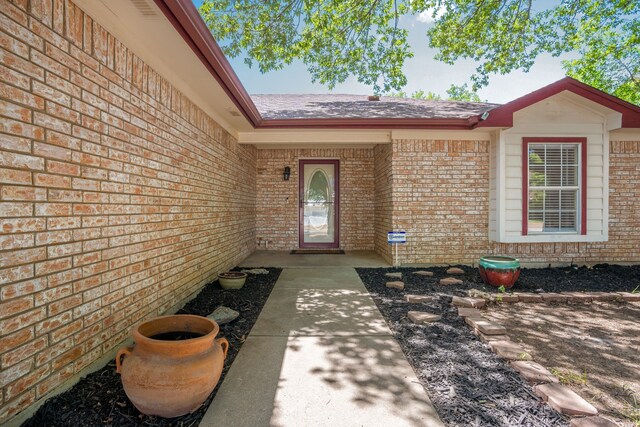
{"x":580,"y":192}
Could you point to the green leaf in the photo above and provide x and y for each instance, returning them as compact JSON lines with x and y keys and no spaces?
{"x":337,"y":39}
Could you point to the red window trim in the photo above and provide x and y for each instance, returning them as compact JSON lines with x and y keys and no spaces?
{"x":525,"y":178}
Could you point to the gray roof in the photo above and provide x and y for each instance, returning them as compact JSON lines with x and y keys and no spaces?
{"x":321,"y":106}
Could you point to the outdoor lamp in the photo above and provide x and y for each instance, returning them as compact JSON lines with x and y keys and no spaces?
{"x":287,"y":173}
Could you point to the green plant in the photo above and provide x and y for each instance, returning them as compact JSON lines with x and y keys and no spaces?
{"x":370,"y":41}
{"x":631,"y":408}
{"x":636,"y":290}
{"x":502,"y":289}
{"x":567,"y":377}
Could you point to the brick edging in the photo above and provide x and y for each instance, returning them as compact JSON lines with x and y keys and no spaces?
{"x":545,"y":385}
{"x":554,"y":297}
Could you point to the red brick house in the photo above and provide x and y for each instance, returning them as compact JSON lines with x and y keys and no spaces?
{"x":134,"y":167}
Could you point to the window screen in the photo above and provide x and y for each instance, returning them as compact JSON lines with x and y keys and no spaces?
{"x":554,"y":189}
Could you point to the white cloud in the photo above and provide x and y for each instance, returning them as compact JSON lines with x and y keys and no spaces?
{"x":428,"y":16}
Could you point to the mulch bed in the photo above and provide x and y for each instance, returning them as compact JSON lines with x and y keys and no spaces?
{"x":468,"y":384}
{"x":99,"y":399}
{"x":599,"y":278}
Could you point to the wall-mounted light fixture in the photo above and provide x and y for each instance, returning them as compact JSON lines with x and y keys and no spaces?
{"x":287,"y":173}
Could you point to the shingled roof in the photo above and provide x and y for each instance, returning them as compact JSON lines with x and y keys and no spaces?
{"x":320,"y":106}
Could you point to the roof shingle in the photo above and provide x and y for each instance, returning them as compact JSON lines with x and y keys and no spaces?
{"x":321,"y":106}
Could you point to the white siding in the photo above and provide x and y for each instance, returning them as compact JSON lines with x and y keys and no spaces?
{"x":557,"y":116}
{"x":493,"y":180}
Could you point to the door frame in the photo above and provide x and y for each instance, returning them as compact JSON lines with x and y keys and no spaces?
{"x":336,"y":203}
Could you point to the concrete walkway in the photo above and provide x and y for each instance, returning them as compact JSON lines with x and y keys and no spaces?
{"x":320,"y":354}
{"x":285,"y":259}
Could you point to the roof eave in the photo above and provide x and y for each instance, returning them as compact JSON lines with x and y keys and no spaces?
{"x":189,"y":24}
{"x":185,"y":18}
{"x":371,"y":123}
{"x":503,"y":116}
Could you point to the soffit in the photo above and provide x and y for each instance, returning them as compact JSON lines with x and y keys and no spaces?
{"x":143,"y":28}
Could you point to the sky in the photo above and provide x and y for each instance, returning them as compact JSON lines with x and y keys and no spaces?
{"x":422,"y":72}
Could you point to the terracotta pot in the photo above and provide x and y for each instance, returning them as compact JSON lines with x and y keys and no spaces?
{"x":170,"y":378}
{"x":232,"y":279}
{"x":499,"y":270}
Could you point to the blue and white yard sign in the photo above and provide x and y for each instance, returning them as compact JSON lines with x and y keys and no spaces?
{"x":396,"y":237}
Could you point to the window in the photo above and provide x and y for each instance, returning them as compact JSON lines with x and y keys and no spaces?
{"x":554,"y":186}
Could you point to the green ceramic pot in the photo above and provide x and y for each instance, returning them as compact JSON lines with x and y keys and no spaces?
{"x":232,"y":279}
{"x":499,"y":270}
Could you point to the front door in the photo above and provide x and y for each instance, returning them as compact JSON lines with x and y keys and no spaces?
{"x":319,"y":203}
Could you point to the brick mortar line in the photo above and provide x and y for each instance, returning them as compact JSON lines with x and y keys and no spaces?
{"x":197,"y":178}
{"x":191,"y":148}
{"x":140,"y":233}
{"x":184,"y":243}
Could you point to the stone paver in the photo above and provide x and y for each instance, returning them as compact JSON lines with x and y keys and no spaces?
{"x":564,"y":400}
{"x":468,"y":312}
{"x":628,"y":296}
{"x":553,"y":297}
{"x":477,"y":293}
{"x":577,"y":297}
{"x":592,"y":422}
{"x":424,"y":273}
{"x":485,"y":326}
{"x":488,"y":338}
{"x":450,"y":281}
{"x":510,"y":298}
{"x":396,"y":275}
{"x":422,"y":317}
{"x":509,"y":350}
{"x":455,"y":270}
{"x":395,"y":285}
{"x":603,"y":296}
{"x":468,"y":302}
{"x":526,"y":297}
{"x":533,"y":372}
{"x":417,"y":299}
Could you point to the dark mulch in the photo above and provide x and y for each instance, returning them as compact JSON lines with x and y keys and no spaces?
{"x":599,"y":278}
{"x":99,"y":399}
{"x":469,"y":385}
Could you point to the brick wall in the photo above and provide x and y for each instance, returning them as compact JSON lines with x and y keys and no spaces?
{"x":440,"y":198}
{"x":383,"y":199}
{"x":119,"y":198}
{"x":277,"y":199}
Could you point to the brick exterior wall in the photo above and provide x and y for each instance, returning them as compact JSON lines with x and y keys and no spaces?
{"x":440,"y":198}
{"x":119,"y":198}
{"x":383,"y":199}
{"x":277,"y":199}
